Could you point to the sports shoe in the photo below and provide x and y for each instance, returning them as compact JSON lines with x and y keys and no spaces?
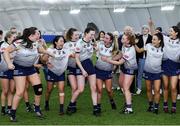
{"x":126,"y":111}
{"x":155,"y":111}
{"x":3,"y":112}
{"x":178,"y":97}
{"x":118,"y":88}
{"x":166,"y":110}
{"x":96,"y":112}
{"x":161,"y":91}
{"x":29,"y":109}
{"x":173,"y":111}
{"x":152,"y":92}
{"x":13,"y":118}
{"x":138,"y":91}
{"x":150,"y":109}
{"x":113,"y":106}
{"x":70,"y":110}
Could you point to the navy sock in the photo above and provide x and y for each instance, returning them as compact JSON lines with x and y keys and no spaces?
{"x":174,"y":105}
{"x":111,"y":100}
{"x":3,"y":108}
{"x":95,"y":107}
{"x":37,"y":108}
{"x":156,"y":105}
{"x":128,"y":105}
{"x":13,"y":113}
{"x":98,"y":105}
{"x":72,"y":104}
{"x":150,"y":103}
{"x":47,"y":103}
{"x":9,"y":107}
{"x":165,"y":104}
{"x":61,"y":107}
{"x":27,"y":104}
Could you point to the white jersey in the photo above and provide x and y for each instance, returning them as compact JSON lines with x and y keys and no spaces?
{"x":85,"y":49}
{"x":3,"y":64}
{"x":171,"y":49}
{"x":129,"y":55}
{"x":26,"y":57}
{"x":153,"y":59}
{"x":60,"y":61}
{"x":104,"y":51}
{"x":71,"y":47}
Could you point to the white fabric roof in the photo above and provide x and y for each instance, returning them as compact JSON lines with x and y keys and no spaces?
{"x":25,"y":13}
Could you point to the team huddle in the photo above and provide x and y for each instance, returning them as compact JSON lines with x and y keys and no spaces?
{"x":22,"y":57}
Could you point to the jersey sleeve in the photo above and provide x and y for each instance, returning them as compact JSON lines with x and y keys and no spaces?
{"x":146,"y":46}
{"x":78,"y":47}
{"x":17,"y":43}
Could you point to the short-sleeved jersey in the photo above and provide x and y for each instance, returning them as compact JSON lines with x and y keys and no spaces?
{"x":153,"y":59}
{"x":171,"y":49}
{"x":71,"y":47}
{"x":3,"y":64}
{"x":104,"y":51}
{"x":26,"y":56}
{"x":60,"y":61}
{"x":85,"y":49}
{"x":129,"y":55}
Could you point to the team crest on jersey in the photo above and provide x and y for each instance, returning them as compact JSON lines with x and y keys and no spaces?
{"x":101,"y":48}
{"x":54,"y":52}
{"x":152,"y":49}
{"x":70,"y":45}
{"x":63,"y":52}
{"x":88,"y":45}
{"x":84,"y":46}
{"x":34,"y":44}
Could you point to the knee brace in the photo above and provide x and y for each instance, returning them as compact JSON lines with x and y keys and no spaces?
{"x":38,"y":89}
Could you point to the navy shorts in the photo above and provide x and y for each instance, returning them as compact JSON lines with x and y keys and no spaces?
{"x":23,"y":71}
{"x":170,"y":68}
{"x":102,"y":74}
{"x":88,"y":67}
{"x":71,"y":71}
{"x":7,"y":74}
{"x":52,"y":77}
{"x":152,"y":76}
{"x":128,"y":71}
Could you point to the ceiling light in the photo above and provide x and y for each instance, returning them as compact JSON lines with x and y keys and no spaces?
{"x":167,"y":8}
{"x":74,"y":11}
{"x":119,"y":10}
{"x":44,"y":12}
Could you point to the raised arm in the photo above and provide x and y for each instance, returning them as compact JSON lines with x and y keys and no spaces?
{"x":151,"y":26}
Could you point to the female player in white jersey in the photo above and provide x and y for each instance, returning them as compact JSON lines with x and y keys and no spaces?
{"x":153,"y":71}
{"x":27,"y":53}
{"x":107,"y":47}
{"x":85,"y":68}
{"x":170,"y":66}
{"x":6,"y":78}
{"x":56,"y":69}
{"x":128,"y":69}
{"x":72,"y":36}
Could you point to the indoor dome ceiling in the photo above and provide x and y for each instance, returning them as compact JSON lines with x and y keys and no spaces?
{"x":25,"y":13}
{"x":66,"y":4}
